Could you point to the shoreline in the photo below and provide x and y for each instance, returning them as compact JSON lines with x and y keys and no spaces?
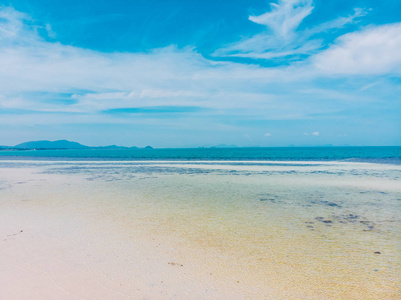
{"x":221,"y":161}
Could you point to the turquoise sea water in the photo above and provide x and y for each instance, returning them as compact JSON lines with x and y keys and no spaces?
{"x":365,"y":154}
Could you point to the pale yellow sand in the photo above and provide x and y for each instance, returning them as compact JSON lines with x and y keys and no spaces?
{"x":71,"y":247}
{"x":64,"y":237}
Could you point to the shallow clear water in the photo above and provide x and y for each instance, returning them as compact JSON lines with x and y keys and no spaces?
{"x":328,"y":229}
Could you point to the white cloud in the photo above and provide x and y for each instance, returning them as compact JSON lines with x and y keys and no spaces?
{"x":50,"y":31}
{"x":316,"y":133}
{"x":261,"y":42}
{"x":33,"y":71}
{"x":281,"y":23}
{"x":267,"y":134}
{"x":370,"y":85}
{"x":375,"y":50}
{"x":29,"y":65}
{"x":161,"y":93}
{"x":11,"y":23}
{"x":340,"y":22}
{"x":285,"y":16}
{"x":281,"y":38}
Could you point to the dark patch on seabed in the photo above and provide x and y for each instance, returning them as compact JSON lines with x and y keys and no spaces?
{"x":374,"y":192}
{"x":302,"y":200}
{"x":363,"y":223}
{"x":270,"y":198}
{"x":327,"y":203}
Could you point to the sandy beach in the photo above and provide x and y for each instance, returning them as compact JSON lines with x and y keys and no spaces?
{"x":172,"y":231}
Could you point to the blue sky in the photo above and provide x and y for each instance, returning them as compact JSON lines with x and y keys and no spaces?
{"x":201,"y":73}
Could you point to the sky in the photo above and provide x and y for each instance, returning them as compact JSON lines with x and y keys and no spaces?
{"x":178,"y":73}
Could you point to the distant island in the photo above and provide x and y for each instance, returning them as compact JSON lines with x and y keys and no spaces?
{"x":60,"y":145}
{"x":70,"y":145}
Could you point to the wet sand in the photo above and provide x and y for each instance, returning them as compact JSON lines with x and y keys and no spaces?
{"x":199,"y":231}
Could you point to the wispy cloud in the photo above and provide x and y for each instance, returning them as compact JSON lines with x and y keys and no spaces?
{"x":11,"y":23}
{"x":284,"y":17}
{"x":338,"y":23}
{"x":31,"y":66}
{"x":50,"y":31}
{"x":281,"y":23}
{"x":282,"y":37}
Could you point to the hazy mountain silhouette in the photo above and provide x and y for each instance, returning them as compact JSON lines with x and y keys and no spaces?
{"x":61,"y":144}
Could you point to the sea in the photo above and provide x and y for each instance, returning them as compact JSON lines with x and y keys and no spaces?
{"x":367,"y":154}
{"x":316,"y":223}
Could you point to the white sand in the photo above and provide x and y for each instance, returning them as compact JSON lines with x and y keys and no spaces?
{"x":53,"y":246}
